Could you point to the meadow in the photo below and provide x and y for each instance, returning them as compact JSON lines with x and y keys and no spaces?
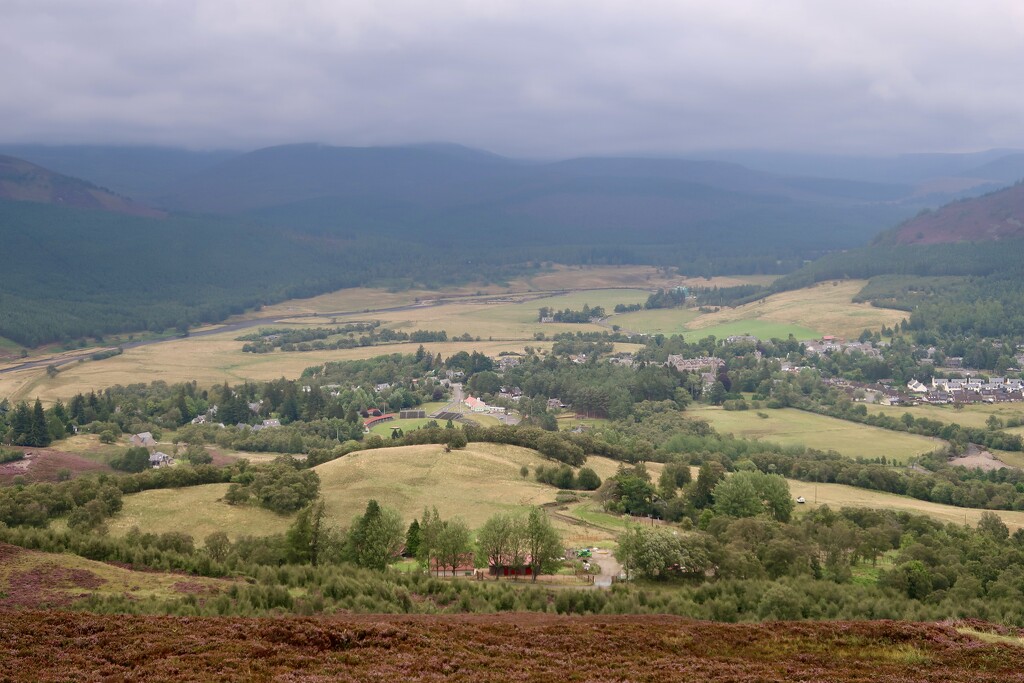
{"x":790,"y":427}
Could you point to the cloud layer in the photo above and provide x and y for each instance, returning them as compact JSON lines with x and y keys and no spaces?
{"x":524,"y":78}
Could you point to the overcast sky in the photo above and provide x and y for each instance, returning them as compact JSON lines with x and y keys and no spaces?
{"x":519,"y":77}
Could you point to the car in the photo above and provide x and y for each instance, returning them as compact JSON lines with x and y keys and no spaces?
{"x":584,"y":553}
{"x":801,"y":500}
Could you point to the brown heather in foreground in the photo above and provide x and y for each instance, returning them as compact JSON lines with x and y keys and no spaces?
{"x":52,"y":646}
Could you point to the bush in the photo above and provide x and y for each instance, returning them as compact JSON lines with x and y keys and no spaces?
{"x":133,"y":460}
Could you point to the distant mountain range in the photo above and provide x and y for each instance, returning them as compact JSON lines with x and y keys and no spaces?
{"x":447,"y":193}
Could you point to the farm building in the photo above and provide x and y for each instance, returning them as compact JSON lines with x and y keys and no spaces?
{"x":507,"y":568}
{"x":466,"y":567}
{"x":159,"y":459}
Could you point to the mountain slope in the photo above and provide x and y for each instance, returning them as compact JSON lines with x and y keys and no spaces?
{"x":995,"y":216}
{"x":26,"y":182}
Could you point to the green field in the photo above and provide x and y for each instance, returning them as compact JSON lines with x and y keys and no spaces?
{"x":384,"y":428}
{"x":762,"y":329}
{"x":788,"y":426}
{"x":656,"y":321}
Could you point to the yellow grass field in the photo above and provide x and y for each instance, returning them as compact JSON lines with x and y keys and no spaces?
{"x":208,"y":360}
{"x":788,"y":426}
{"x":473,"y":483}
{"x":838,"y":495}
{"x":196,"y":510}
{"x":827,"y":308}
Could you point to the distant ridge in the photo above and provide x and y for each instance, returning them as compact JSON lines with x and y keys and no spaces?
{"x":23,"y":181}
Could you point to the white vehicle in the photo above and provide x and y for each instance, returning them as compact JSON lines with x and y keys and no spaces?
{"x":801,"y":500}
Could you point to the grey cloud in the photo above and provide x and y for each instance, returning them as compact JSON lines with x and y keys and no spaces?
{"x":523,"y":78}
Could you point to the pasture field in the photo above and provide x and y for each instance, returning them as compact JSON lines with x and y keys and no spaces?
{"x":825,"y":308}
{"x":195,"y":510}
{"x":837,"y":496}
{"x":789,"y":426}
{"x":967,"y":416}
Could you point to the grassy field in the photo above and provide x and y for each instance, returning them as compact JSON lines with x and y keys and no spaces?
{"x":473,"y":483}
{"x":196,"y":510}
{"x":837,"y":496}
{"x":384,"y":428}
{"x":826,"y":308}
{"x":968,"y":416}
{"x":789,"y":426}
{"x":656,"y":321}
{"x":762,"y":329}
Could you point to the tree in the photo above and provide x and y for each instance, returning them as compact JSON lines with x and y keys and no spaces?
{"x":39,"y":432}
{"x":501,"y":540}
{"x":747,"y":494}
{"x":307,"y":535}
{"x":134,"y":459}
{"x":217,"y":545}
{"x":708,"y":476}
{"x":992,"y":524}
{"x":453,"y":543}
{"x":543,"y":542}
{"x":430,"y":529}
{"x":412,"y":538}
{"x":658,"y":552}
{"x":376,"y":537}
{"x":587,"y":479}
